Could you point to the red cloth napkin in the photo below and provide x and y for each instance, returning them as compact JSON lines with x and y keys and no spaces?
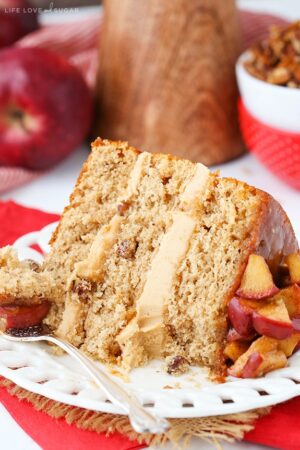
{"x":280,"y":429}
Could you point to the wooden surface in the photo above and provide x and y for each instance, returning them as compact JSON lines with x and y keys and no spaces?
{"x":166,"y":79}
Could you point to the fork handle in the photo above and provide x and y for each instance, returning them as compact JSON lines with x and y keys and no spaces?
{"x":141,"y":420}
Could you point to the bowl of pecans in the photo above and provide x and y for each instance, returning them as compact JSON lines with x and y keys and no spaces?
{"x":268,"y":76}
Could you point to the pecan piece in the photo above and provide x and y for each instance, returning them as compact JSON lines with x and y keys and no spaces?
{"x":165,"y":180}
{"x":82,"y":288}
{"x":127,"y":248}
{"x":276,"y":59}
{"x":280,"y":75}
{"x":177,"y":365}
{"x":123,"y":207}
{"x":33,"y":265}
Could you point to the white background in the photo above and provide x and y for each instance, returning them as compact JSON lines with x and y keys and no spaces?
{"x":52,"y":190}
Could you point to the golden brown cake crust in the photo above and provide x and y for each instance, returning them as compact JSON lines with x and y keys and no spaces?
{"x":273,"y":238}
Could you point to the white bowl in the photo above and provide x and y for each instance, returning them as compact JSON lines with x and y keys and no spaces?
{"x":276,"y":106}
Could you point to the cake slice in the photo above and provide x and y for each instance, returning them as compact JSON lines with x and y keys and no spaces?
{"x":153,"y":248}
{"x":149,"y":254}
{"x":24,"y":291}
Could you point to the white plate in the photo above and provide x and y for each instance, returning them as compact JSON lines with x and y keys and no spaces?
{"x":33,"y":367}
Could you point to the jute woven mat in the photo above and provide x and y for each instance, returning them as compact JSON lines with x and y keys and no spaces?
{"x":211,"y":429}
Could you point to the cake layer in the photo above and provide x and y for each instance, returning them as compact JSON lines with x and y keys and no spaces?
{"x":152,"y":275}
{"x":93,"y":202}
{"x":145,"y":221}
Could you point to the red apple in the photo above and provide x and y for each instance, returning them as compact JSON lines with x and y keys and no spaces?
{"x":296,"y":324}
{"x":273,"y":320}
{"x":17,"y":18}
{"x":233,"y":335}
{"x":271,"y":358}
{"x":45,"y":108}
{"x":22,"y":316}
{"x":257,"y":282}
{"x":240,"y":315}
{"x":252,"y":365}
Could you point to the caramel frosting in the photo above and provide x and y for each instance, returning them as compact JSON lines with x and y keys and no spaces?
{"x":136,"y":175}
{"x":150,"y":305}
{"x":148,"y":326}
{"x":92,"y":268}
{"x":191,"y":196}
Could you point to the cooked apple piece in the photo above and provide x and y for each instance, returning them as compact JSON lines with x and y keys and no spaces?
{"x":272,"y":361}
{"x":233,"y":335}
{"x":252,"y":365}
{"x":235,"y":349}
{"x":273,"y":320}
{"x":289,"y":344}
{"x":240,"y":315}
{"x":22,"y":316}
{"x":257,"y":281}
{"x":296,"y":324}
{"x":291,"y":298}
{"x":263,"y":346}
{"x":293,"y":263}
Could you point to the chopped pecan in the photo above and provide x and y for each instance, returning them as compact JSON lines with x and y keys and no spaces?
{"x":280,"y":75}
{"x":171,"y":331}
{"x":83,"y":288}
{"x":127,"y":248}
{"x":165,"y":180}
{"x":277,"y":59}
{"x":115,"y":349}
{"x":123,"y":207}
{"x":33,"y":265}
{"x":177,"y":365}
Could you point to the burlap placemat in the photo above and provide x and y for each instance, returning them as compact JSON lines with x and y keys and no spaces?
{"x":211,"y":429}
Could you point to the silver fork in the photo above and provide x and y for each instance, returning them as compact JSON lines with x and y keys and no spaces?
{"x":141,"y":420}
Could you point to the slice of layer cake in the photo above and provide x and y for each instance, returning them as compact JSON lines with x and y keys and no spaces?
{"x":24,"y":291}
{"x":151,"y":251}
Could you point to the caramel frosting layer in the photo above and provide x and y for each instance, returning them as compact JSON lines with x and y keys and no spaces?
{"x":191,"y":196}
{"x":148,"y":326}
{"x":150,"y":305}
{"x":92,"y":268}
{"x":136,"y":175}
